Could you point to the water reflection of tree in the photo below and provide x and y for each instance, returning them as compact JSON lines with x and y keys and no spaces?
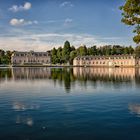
{"x":68,"y":76}
{"x":64,"y":75}
{"x":5,"y":73}
{"x":137,"y":77}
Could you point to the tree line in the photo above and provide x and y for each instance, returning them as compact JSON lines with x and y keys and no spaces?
{"x":67,"y":53}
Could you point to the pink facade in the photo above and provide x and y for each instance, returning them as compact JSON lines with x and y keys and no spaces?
{"x":108,"y":61}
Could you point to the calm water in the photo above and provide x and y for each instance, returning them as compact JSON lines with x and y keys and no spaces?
{"x":66,"y":104}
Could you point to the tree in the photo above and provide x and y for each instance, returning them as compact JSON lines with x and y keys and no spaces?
{"x":82,"y":50}
{"x":66,"y":51}
{"x":107,"y":50}
{"x":73,"y":54}
{"x":126,"y":50}
{"x":91,"y":50}
{"x":59,"y":54}
{"x":72,"y":48}
{"x":131,"y":50}
{"x":54,"y":56}
{"x":131,"y":16}
{"x":2,"y":53}
{"x":137,"y":51}
{"x":1,"y":56}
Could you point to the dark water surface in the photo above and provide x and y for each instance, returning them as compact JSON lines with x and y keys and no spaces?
{"x":69,"y":104}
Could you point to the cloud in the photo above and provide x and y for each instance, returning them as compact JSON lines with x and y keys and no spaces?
{"x":64,"y":22}
{"x":66,"y":4}
{"x":43,"y":42}
{"x":21,"y":22}
{"x":68,"y":20}
{"x":25,"y":7}
{"x":25,"y":40}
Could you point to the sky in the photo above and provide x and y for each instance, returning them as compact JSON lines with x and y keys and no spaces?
{"x":40,"y":25}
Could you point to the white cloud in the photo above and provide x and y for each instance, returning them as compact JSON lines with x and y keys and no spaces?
{"x":68,"y":20}
{"x":25,"y":40}
{"x":21,"y":22}
{"x":43,"y":42}
{"x":25,"y":7}
{"x":66,"y":4}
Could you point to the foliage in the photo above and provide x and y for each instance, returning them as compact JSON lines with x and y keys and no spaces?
{"x":68,"y":53}
{"x":137,"y":51}
{"x":5,"y":57}
{"x":131,"y":16}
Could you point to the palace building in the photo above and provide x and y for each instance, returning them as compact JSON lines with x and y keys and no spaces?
{"x":21,"y":58}
{"x":107,"y":61}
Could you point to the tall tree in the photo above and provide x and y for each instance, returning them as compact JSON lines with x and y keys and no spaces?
{"x":54,"y":55}
{"x":73,"y":54}
{"x":131,"y":16}
{"x":59,"y":54}
{"x":66,"y":51}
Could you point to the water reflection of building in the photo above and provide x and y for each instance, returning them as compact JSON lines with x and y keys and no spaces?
{"x":31,"y":73}
{"x":106,"y":73}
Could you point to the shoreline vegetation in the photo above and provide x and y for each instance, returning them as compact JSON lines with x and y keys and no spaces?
{"x":64,"y":56}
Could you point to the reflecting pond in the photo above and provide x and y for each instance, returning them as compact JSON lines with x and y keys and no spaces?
{"x":69,"y":103}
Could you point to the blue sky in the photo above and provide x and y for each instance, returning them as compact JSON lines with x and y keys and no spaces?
{"x":40,"y":25}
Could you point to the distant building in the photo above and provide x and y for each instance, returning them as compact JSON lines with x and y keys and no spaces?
{"x":21,"y":58}
{"x":107,"y":61}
